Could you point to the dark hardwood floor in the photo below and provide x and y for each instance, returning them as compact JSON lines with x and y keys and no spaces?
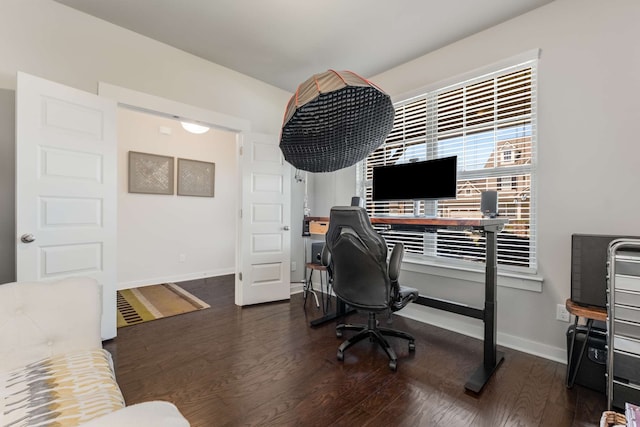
{"x":264,"y":366}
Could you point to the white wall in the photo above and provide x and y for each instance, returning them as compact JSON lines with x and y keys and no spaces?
{"x":53,"y":41}
{"x":333,"y":189}
{"x":588,"y":150}
{"x":155,"y":230}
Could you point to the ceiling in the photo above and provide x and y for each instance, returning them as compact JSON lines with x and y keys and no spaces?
{"x":284,"y":42}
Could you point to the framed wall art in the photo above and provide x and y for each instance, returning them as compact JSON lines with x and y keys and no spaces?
{"x":150,"y":173}
{"x":196,"y":178}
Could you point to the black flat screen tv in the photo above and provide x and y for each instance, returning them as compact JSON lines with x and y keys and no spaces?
{"x":428,"y":180}
{"x":589,"y":268}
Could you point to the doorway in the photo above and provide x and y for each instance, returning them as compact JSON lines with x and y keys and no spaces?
{"x":174,"y":237}
{"x":262,"y":269}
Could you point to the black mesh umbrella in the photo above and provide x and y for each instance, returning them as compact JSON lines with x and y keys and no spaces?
{"x":334,"y":120}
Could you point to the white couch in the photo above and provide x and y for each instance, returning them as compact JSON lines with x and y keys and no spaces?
{"x":53,"y":370}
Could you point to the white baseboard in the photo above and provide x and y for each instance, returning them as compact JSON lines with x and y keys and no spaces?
{"x":556,"y":354}
{"x":175,"y":278}
{"x":296,"y":287}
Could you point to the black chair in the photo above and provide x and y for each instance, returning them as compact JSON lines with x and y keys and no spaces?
{"x":357,"y":259}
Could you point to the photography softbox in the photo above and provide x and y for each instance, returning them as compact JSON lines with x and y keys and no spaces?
{"x":334,"y":120}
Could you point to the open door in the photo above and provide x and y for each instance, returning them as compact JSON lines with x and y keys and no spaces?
{"x":66,"y":187}
{"x":264,"y":255}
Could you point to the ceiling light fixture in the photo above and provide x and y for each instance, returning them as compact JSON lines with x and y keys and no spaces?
{"x":194,"y":128}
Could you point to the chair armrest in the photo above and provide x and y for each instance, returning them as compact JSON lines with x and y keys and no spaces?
{"x":395,"y":261}
{"x":42,"y":319}
{"x":147,"y":414}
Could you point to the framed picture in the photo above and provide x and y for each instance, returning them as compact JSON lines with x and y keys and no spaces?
{"x":196,"y":178}
{"x":150,"y":173}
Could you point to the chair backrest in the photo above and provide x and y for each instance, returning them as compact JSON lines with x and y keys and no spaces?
{"x":358,"y":259}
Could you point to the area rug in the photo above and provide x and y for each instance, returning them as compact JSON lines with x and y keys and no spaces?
{"x":138,"y":305}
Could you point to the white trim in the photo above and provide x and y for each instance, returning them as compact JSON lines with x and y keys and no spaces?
{"x":175,"y":279}
{"x":462,"y":326}
{"x":512,"y":61}
{"x":174,"y":109}
{"x":472,"y":273}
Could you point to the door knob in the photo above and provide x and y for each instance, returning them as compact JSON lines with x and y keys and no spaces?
{"x":285,"y":228}
{"x":27,"y":238}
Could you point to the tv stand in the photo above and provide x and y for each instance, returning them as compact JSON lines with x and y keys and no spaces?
{"x":416,"y":208}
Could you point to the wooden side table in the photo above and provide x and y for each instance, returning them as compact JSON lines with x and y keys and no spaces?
{"x":590,"y":313}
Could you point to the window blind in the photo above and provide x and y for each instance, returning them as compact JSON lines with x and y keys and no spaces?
{"x":489,"y":122}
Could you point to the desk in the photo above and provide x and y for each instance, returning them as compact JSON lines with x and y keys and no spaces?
{"x":590,"y":313}
{"x":490,"y":227}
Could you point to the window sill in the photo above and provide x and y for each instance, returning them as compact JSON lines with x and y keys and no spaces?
{"x":472,"y":272}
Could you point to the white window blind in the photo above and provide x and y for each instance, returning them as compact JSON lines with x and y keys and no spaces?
{"x":489,"y":122}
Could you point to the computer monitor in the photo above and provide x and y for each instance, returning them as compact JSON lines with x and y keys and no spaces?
{"x":427,"y":180}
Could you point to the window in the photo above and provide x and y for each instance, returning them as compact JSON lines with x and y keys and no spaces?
{"x":489,"y":123}
{"x":506,"y":156}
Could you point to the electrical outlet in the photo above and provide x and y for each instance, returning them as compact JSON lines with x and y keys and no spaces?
{"x":182,"y":257}
{"x":294,"y":266}
{"x":562,"y":314}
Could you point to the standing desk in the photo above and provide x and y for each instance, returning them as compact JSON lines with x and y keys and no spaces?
{"x":490,"y":227}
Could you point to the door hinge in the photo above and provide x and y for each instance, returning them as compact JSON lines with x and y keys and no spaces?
{"x":241,"y":150}
{"x":240,"y":213}
{"x":240,"y":276}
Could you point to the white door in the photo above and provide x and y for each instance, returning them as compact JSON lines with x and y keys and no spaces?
{"x":66,"y":187}
{"x":264,"y":253}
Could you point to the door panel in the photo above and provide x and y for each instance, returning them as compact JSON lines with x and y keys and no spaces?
{"x":63,"y":260}
{"x":70,"y":164}
{"x":70,"y":212}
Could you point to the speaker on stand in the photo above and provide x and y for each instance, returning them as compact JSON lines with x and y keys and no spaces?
{"x":489,"y":204}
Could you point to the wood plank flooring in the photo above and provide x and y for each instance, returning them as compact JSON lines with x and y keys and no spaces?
{"x":264,"y":366}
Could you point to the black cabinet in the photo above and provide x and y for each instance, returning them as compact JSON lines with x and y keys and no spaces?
{"x":593,"y":365}
{"x":623,"y":306}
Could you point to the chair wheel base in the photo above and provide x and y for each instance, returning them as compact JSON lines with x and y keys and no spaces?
{"x":374,"y":334}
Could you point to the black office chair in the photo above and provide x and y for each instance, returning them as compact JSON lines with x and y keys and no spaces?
{"x":362,"y":278}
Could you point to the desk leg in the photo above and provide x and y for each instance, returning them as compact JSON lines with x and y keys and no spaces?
{"x":341,"y":311}
{"x":492,"y":358}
